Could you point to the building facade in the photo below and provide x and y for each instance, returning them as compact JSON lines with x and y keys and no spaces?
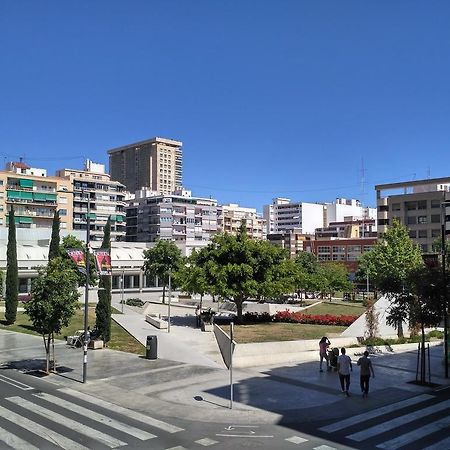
{"x":284,"y":215}
{"x":348,"y":229}
{"x":178,"y":217}
{"x":34,"y":197}
{"x":231,"y":216}
{"x":418,"y":206}
{"x":291,"y":240}
{"x":156,"y":164}
{"x":347,"y":209}
{"x":93,"y":189}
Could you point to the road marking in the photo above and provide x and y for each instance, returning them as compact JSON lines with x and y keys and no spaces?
{"x":124,"y":411}
{"x":15,"y":383}
{"x":325,"y":447}
{"x":243,"y":435}
{"x":91,"y":415}
{"x":354,"y":420}
{"x":416,"y":434}
{"x":398,"y":421}
{"x":14,"y":441}
{"x":445,"y":443}
{"x":109,"y":441}
{"x":39,"y":430}
{"x":296,"y":440}
{"x":179,"y":447}
{"x":206,"y":442}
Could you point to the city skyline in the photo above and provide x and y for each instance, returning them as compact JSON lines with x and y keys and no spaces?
{"x":286,"y":99}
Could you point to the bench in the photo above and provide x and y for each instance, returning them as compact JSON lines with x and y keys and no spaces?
{"x":156,"y":321}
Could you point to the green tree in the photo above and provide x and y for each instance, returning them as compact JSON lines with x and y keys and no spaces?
{"x":53,"y":251}
{"x":334,"y":277}
{"x":12,"y":273}
{"x":54,"y":301}
{"x":238,"y":268}
{"x":307,"y":273}
{"x":103,"y":308}
{"x":161,"y":260}
{"x":390,"y":263}
{"x":69,"y":242}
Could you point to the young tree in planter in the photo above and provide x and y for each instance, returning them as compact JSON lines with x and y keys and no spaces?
{"x":54,"y":251}
{"x":103,"y":308}
{"x":390,"y":263}
{"x":12,"y":274}
{"x":161,"y":260}
{"x":54,"y":301}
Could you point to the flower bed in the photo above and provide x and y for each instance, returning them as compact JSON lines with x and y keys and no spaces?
{"x":327,"y":319}
{"x":297,"y":317}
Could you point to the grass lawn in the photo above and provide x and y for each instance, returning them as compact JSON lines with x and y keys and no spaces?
{"x":120,"y":339}
{"x":335,"y":309}
{"x":272,"y":332}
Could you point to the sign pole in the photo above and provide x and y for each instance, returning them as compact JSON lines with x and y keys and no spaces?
{"x":168,"y":303}
{"x":231,"y":364}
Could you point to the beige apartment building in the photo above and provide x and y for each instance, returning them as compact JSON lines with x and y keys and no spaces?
{"x":106,"y":199}
{"x":417,"y":205}
{"x":156,"y":164}
{"x":230,"y":217}
{"x":34,"y":197}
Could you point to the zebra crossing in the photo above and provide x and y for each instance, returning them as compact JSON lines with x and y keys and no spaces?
{"x":421,"y":422}
{"x":74,"y":421}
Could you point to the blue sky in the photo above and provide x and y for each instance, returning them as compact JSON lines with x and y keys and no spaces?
{"x":271,"y":98}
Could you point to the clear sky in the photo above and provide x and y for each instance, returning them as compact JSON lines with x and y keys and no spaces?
{"x":270,"y":98}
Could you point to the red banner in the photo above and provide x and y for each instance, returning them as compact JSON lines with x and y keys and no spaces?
{"x":77,"y":256}
{"x":103,"y":262}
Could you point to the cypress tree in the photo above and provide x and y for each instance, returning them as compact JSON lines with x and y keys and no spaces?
{"x":103,"y":308}
{"x":53,"y":251}
{"x":12,"y":274}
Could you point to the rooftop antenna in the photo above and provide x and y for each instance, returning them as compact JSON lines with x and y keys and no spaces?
{"x":428,"y":172}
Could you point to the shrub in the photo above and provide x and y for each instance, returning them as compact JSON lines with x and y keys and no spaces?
{"x":250,"y":318}
{"x":327,"y":319}
{"x":436,"y":334}
{"x":134,"y":302}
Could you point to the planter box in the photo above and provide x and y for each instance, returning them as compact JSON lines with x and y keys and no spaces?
{"x":156,"y":322}
{"x":94,"y":345}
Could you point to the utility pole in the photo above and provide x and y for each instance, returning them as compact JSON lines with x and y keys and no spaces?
{"x":86,"y":290}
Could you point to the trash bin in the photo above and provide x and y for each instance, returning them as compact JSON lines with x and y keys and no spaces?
{"x":151,"y":349}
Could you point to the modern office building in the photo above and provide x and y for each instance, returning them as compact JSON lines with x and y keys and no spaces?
{"x":93,"y":189}
{"x":231,"y":216}
{"x":178,"y":217}
{"x":34,"y":197}
{"x":156,"y":164}
{"x":417,"y":205}
{"x":282,"y":215}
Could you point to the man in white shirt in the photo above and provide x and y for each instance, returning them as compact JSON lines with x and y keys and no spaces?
{"x":344,"y":364}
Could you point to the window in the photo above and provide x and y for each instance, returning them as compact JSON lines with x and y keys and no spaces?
{"x":435,"y":218}
{"x":395,"y":206}
{"x":422,"y":204}
{"x":383,"y":208}
{"x":411,"y":206}
{"x":412,"y":234}
{"x":422,"y":219}
{"x":424,"y":248}
{"x":435,"y":203}
{"x":436,"y":232}
{"x":383,"y":222}
{"x":411,"y":220}
{"x":422,"y":234}
{"x":63,"y":212}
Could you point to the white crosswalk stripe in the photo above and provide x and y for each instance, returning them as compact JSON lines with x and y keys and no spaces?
{"x":354,"y":420}
{"x":91,"y":415}
{"x":14,"y":441}
{"x":123,"y":411}
{"x":38,"y":430}
{"x":416,"y":434}
{"x":402,"y":420}
{"x":445,"y":443}
{"x":96,"y":435}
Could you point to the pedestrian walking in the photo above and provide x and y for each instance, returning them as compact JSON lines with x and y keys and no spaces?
{"x":324,"y":343}
{"x":366,"y":370}
{"x":344,"y":369}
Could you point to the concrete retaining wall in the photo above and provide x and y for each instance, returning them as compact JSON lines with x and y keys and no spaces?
{"x":268,"y":353}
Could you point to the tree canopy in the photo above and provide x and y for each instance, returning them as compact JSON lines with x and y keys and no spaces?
{"x":54,"y":250}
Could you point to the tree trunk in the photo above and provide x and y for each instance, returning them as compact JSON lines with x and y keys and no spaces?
{"x":239,"y":318}
{"x":422,"y":356}
{"x":47,"y":352}
{"x":53,"y":347}
{"x":201,"y":301}
{"x":164,"y":293}
{"x":400,"y":329}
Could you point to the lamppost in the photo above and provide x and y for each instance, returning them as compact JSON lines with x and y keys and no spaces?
{"x":444,"y":278}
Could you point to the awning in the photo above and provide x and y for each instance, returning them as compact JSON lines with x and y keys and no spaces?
{"x":50,"y":197}
{"x":40,"y":196}
{"x":25,"y":220}
{"x":26,"y":183}
{"x":14,"y":194}
{"x":26,"y":195}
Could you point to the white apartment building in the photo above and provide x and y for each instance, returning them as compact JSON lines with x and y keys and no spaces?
{"x":284,"y":215}
{"x":178,"y":217}
{"x":106,"y":200}
{"x":343,"y":210}
{"x":231,"y":216}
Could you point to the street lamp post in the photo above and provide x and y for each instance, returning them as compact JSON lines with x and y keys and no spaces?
{"x":86,"y":289}
{"x":444,"y":277}
{"x":168,"y":303}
